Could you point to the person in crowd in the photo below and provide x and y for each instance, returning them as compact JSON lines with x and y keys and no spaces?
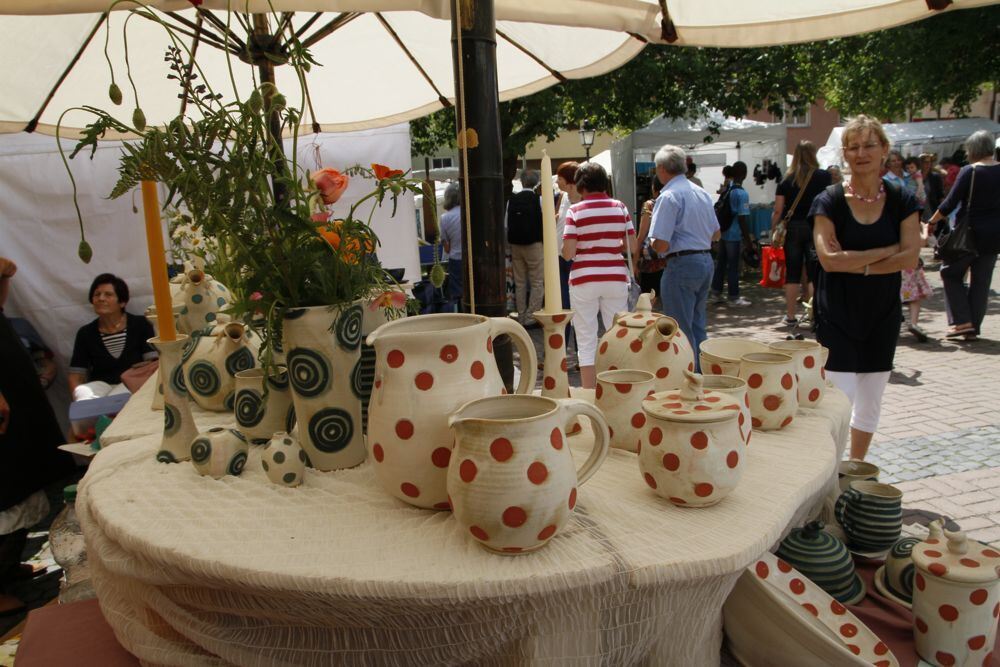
{"x":451,"y":239}
{"x":566,"y":187}
{"x":727,"y":180}
{"x":836,"y":175}
{"x":966,"y":306}
{"x":691,"y":169}
{"x":806,"y":177}
{"x":524,"y":236}
{"x":683,"y":228}
{"x":727,"y":266}
{"x":650,"y":266}
{"x":933,"y":184}
{"x":109,"y":345}
{"x":597,"y":227}
{"x":29,"y":437}
{"x":894,"y":172}
{"x":865,"y":231}
{"x":915,"y":287}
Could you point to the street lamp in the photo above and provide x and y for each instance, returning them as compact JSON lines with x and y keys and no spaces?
{"x":587,"y":134}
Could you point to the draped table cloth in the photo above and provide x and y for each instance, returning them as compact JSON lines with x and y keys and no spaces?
{"x":195,"y":571}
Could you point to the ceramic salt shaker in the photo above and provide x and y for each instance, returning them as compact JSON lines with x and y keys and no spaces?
{"x":284,"y":460}
{"x":956,"y":599}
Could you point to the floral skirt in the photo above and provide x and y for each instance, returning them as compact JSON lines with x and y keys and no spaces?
{"x":915,"y":286}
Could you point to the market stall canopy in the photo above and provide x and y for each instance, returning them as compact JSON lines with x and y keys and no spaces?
{"x":942,"y":137}
{"x":387,"y":61}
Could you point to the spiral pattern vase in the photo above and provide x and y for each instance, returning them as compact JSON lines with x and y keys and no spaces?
{"x":178,"y":424}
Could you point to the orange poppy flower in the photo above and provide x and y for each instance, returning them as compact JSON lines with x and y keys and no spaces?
{"x":330,"y":236}
{"x":383,"y":172}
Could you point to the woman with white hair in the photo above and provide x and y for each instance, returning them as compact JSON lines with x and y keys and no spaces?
{"x":977,"y":191}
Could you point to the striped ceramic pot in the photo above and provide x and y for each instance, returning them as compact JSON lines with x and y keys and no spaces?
{"x":871,"y":515}
{"x":263,"y":406}
{"x":825,"y":560}
{"x":323,"y":353}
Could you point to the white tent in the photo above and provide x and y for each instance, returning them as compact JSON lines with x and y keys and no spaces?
{"x":737,"y":139}
{"x":942,"y":137}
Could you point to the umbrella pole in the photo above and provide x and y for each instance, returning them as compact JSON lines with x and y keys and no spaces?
{"x":265,"y":68}
{"x":481,"y":166}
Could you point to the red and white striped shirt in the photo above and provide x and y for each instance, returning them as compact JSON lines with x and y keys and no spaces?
{"x":599,"y":225}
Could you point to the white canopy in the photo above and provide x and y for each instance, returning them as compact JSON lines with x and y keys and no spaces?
{"x":942,"y":137}
{"x":748,"y":140}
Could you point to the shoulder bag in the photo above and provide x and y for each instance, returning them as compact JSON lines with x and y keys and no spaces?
{"x":781,"y":229}
{"x":958,"y":243}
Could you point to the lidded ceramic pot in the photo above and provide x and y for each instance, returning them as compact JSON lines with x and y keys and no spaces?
{"x":692,"y":451}
{"x":824,"y":560}
{"x":649,"y":341}
{"x":956,"y":599}
{"x":737,"y":389}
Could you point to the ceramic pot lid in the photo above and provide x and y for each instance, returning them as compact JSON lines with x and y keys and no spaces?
{"x":691,"y":403}
{"x":824,"y":560}
{"x":642,"y":316}
{"x":952,"y":557}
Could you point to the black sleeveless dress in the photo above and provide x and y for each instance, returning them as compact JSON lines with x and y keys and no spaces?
{"x":858,"y":316}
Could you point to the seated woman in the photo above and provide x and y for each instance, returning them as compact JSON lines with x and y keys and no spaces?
{"x":111,"y":344}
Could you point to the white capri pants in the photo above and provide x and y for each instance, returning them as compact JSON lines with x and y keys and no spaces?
{"x":864,"y":390}
{"x":590,"y":300}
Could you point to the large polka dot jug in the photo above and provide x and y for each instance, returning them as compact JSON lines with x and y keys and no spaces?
{"x":692,"y":452}
{"x":426,"y":367}
{"x":513,"y":483}
{"x":810,"y":361}
{"x":772,"y":388}
{"x":648,"y":341}
{"x":956,"y":599}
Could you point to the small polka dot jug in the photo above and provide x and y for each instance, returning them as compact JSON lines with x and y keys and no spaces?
{"x":204,"y":300}
{"x":512,"y":482}
{"x":956,"y":599}
{"x":426,"y":367}
{"x":283,"y":461}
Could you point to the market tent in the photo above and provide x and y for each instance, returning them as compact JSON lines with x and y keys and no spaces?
{"x":942,"y":137}
{"x":717,"y":139}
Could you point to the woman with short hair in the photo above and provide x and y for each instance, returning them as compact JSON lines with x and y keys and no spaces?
{"x":966,"y":306}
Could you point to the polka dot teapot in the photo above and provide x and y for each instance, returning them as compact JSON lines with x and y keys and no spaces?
{"x":645,"y":340}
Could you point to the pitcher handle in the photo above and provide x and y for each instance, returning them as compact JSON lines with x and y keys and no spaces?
{"x":840,"y":508}
{"x":574,"y":407}
{"x":526,"y":348}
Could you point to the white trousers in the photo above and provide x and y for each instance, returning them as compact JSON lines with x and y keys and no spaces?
{"x":590,"y":300}
{"x":864,"y":390}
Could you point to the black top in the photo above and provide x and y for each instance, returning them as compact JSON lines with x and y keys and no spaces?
{"x":90,"y":356}
{"x":858,"y":316}
{"x":524,"y":218}
{"x":984,"y":210}
{"x":787,"y":189}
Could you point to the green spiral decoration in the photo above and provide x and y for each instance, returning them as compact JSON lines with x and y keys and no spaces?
{"x":201,"y":450}
{"x":177,"y":382}
{"x":249,"y":408}
{"x":163,"y":456}
{"x":171,"y":419}
{"x":290,"y":419}
{"x":349,"y":327}
{"x":331,"y":429}
{"x":240,"y":360}
{"x":308,"y":371}
{"x":237,"y":463}
{"x":203,"y":378}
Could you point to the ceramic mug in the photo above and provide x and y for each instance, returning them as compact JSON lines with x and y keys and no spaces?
{"x":871,"y":515}
{"x":855,"y":471}
{"x":619,"y":396}
{"x":772,"y":388}
{"x":721,"y":356}
{"x":810,"y":360}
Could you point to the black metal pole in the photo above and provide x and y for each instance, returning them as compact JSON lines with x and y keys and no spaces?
{"x":483,"y":165}
{"x":263,"y":39}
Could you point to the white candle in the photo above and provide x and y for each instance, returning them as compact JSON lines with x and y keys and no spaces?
{"x":550,"y":248}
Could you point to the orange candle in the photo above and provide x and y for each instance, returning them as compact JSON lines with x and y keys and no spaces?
{"x":157,"y":262}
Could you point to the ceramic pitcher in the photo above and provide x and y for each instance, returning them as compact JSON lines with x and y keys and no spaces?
{"x":770,"y":378}
{"x":204,"y":300}
{"x":619,"y":396}
{"x":956,"y":600}
{"x":212,"y":360}
{"x":810,"y":359}
{"x":649,"y":341}
{"x":871,"y":515}
{"x":426,"y":367}
{"x":513,"y":483}
{"x":736,"y":388}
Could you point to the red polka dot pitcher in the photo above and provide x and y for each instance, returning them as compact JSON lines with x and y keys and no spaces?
{"x":513,"y":483}
{"x":647,"y":341}
{"x":956,"y":599}
{"x":427,"y":367}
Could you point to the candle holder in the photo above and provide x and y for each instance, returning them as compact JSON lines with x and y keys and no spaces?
{"x":555,"y":379}
{"x":178,"y":425}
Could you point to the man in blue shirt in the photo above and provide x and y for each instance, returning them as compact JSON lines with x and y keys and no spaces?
{"x":728,"y":264}
{"x":683,"y":229}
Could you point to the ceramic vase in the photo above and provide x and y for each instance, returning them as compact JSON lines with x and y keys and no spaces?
{"x":150,"y":314}
{"x":212,"y":361}
{"x":619,"y":396}
{"x":204,"y":300}
{"x":736,"y":388}
{"x":219,"y":452}
{"x":691,"y":452}
{"x":178,"y":424}
{"x":648,"y":341}
{"x":284,"y":461}
{"x":721,"y":356}
{"x":771,"y":386}
{"x":513,"y":483}
{"x":956,"y":600}
{"x":810,"y":360}
{"x":426,"y":368}
{"x":555,"y":377}
{"x":323,"y":352}
{"x":263,"y":406}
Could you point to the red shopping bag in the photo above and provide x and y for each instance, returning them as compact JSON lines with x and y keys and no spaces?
{"x":772,"y":267}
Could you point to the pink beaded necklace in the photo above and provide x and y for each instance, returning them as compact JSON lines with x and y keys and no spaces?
{"x":867,"y":200}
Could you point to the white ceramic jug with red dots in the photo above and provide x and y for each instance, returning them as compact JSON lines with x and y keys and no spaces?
{"x":810,"y":360}
{"x":513,"y":482}
{"x":426,"y":367}
{"x":648,"y":341}
{"x":692,"y":452}
{"x":956,"y":599}
{"x":772,"y":388}
{"x":619,"y":396}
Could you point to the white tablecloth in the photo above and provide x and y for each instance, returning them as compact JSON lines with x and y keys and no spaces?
{"x":196,"y":571}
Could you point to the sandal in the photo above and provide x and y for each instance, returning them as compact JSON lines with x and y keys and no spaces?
{"x":918,"y":332}
{"x":790,"y":321}
{"x":960,"y":333}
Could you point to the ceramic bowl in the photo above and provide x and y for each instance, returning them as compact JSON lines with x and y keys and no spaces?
{"x":721,"y":356}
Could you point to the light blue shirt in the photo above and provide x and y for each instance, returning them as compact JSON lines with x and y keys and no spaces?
{"x":739,"y":204}
{"x":684,"y":216}
{"x":451,"y":232}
